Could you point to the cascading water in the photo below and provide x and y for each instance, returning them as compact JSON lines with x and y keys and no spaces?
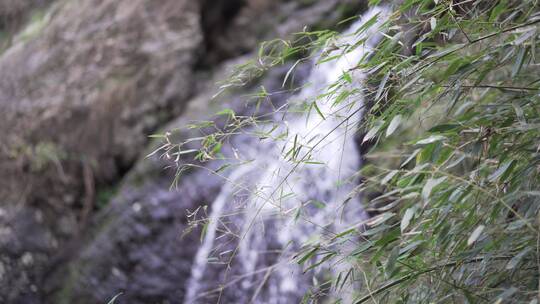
{"x":271,"y":206}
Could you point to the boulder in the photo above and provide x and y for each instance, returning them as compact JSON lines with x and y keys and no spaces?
{"x":89,"y":88}
{"x":78,"y":98}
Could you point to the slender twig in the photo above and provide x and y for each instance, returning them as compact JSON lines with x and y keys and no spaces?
{"x":486,"y":86}
{"x":461,"y":28}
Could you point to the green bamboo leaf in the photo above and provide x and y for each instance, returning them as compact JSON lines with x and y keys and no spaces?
{"x":475,"y":235}
{"x":381,"y":218}
{"x":433,"y":23}
{"x":430,"y":184}
{"x":498,"y":10}
{"x":410,"y":83}
{"x":347,"y":77}
{"x":411,"y":157}
{"x":502,"y":170}
{"x":382,"y":85}
{"x":318,"y":110}
{"x":226,"y":112}
{"x":323,"y":260}
{"x":447,"y":50}
{"x":519,"y":113}
{"x":389,"y":176}
{"x":344,"y":233}
{"x":410,"y":247}
{"x":392,"y":259}
{"x":157,"y":136}
{"x":338,"y":279}
{"x":376,"y":230}
{"x":289,"y":72}
{"x":456,"y":162}
{"x":519,"y":61}
{"x":444,"y":128}
{"x":222,"y":167}
{"x":318,"y":204}
{"x":297,"y":213}
{"x":525,"y":36}
{"x":365,"y":246}
{"x":430,"y":140}
{"x":329,"y":58}
{"x":114,"y":298}
{"x":516,"y":259}
{"x":204,"y":230}
{"x":341,"y":97}
{"x":369,"y":23}
{"x":349,"y":274}
{"x":507,"y":293}
{"x":308,"y":255}
{"x":373,"y":132}
{"x":409,"y":213}
{"x":394,"y":124}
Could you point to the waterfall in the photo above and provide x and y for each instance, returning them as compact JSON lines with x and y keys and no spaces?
{"x":271,"y":206}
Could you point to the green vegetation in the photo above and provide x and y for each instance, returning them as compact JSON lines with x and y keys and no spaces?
{"x":453,"y":171}
{"x":104,"y":196}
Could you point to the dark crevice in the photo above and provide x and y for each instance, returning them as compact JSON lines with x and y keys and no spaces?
{"x":216,"y":18}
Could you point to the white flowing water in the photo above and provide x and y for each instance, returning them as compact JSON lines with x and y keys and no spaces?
{"x":272,"y":206}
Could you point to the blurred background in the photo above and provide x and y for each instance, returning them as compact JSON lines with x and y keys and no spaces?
{"x":83,"y":83}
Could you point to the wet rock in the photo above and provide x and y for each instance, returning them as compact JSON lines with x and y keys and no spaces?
{"x":78,"y":98}
{"x":90,"y":87}
{"x":258,"y":20}
{"x":140,"y":250}
{"x":25,"y":247}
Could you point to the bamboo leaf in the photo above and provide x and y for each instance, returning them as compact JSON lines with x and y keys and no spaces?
{"x":498,"y":10}
{"x":430,"y":184}
{"x":443,"y":128}
{"x":430,"y":140}
{"x":318,"y":110}
{"x":373,"y":132}
{"x":516,"y":259}
{"x":507,"y":293}
{"x":433,"y":23}
{"x":519,"y":113}
{"x":308,"y":255}
{"x":379,"y":219}
{"x":382,"y":85}
{"x":113,"y":300}
{"x":475,"y":235}
{"x":394,"y":124}
{"x":226,"y":112}
{"x":347,"y":77}
{"x":389,"y":176}
{"x":502,"y":170}
{"x":392,"y":259}
{"x":289,"y":73}
{"x":409,"y":213}
{"x":519,"y":61}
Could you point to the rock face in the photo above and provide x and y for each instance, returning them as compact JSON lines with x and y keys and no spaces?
{"x":139,"y":249}
{"x":92,"y":86}
{"x":79,"y":94}
{"x":76,"y":108}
